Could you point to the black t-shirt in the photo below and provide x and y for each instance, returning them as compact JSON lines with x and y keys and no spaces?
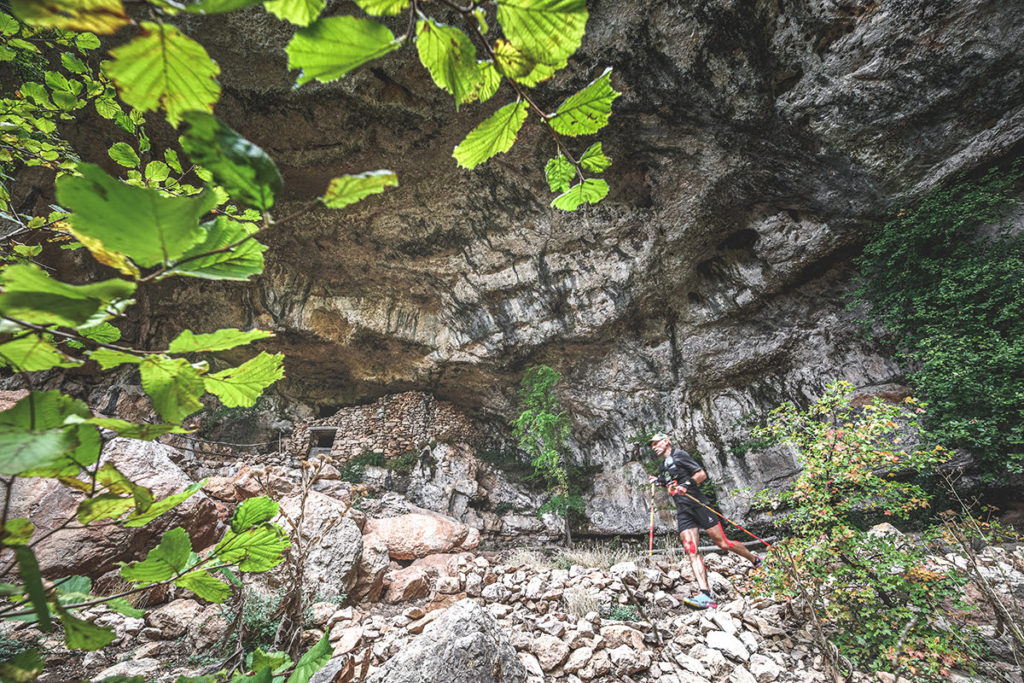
{"x":678,"y":467}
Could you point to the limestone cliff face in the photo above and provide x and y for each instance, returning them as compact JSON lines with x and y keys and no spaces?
{"x":756,"y":145}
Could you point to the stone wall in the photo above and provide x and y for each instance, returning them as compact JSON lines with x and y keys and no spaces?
{"x":392,"y":425}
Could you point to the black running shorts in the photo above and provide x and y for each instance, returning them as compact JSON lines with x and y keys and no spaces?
{"x":694,"y":517}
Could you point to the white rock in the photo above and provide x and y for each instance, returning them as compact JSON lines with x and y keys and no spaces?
{"x":741,"y":675}
{"x":730,"y":645}
{"x":532,"y":665}
{"x":764,"y":669}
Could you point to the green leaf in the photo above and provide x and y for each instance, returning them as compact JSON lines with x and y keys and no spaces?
{"x":238,"y":263}
{"x":82,"y":635}
{"x":588,"y":110}
{"x":547,"y":31}
{"x":28,"y":570}
{"x":34,"y":440}
{"x":219,"y":6}
{"x":134,"y":430}
{"x":242,"y":385}
{"x":221,"y":340}
{"x":298,"y":12}
{"x":18,"y":531}
{"x":24,"y":667}
{"x":103,"y":506}
{"x":253,"y":511}
{"x":87,"y":41}
{"x":30,"y":294}
{"x":139,"y":222}
{"x":205,"y":586}
{"x":349,"y":189}
{"x":107,"y":108}
{"x":493,"y":136}
{"x":108,"y":358}
{"x":230,"y":576}
{"x":487,"y":83}
{"x":311,"y":662}
{"x":261,"y":676}
{"x":382,"y":8}
{"x":9,"y":26}
{"x":332,"y":47}
{"x":163,"y":561}
{"x":98,"y":16}
{"x":559,"y":172}
{"x":255,"y":550}
{"x":161,"y":506}
{"x":275,"y":661}
{"x":164,"y":68}
{"x":104,"y":333}
{"x":450,"y":58}
{"x":32,"y":354}
{"x":112,"y":480}
{"x":590,"y":191}
{"x":240,"y":167}
{"x":171,"y":157}
{"x":157,"y":171}
{"x":122,"y":606}
{"x":123,"y":154}
{"x":594,"y":160}
{"x":173,"y":385}
{"x":22,"y":450}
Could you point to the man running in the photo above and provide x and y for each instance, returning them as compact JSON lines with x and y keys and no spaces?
{"x":680,"y":473}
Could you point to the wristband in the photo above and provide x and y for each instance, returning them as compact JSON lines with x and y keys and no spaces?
{"x":688,"y":483}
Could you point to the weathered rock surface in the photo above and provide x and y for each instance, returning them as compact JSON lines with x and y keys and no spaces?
{"x":755,"y":147}
{"x":93,"y":551}
{"x":465,"y":645}
{"x":334,"y":543}
{"x":418,"y":535}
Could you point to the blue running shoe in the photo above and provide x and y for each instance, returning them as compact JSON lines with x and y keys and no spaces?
{"x":700,"y":601}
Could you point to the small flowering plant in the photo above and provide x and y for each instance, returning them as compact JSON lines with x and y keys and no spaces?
{"x":874,"y":596}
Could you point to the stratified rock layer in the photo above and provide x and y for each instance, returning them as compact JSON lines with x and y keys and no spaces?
{"x":755,"y":146}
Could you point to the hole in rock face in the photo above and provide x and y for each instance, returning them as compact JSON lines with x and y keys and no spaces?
{"x":741,"y":239}
{"x":324,"y":439}
{"x":693,"y":298}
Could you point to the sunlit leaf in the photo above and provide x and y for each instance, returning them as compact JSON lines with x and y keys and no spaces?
{"x":547,"y":31}
{"x":242,"y":385}
{"x":135,"y":221}
{"x":205,"y":586}
{"x":332,"y":47}
{"x":83,"y":635}
{"x":594,"y":160}
{"x":30,"y":294}
{"x":237,"y":263}
{"x":244,"y":170}
{"x":108,"y":358}
{"x":31,"y":577}
{"x":173,"y":385}
{"x":164,"y":68}
{"x":253,"y":511}
{"x":18,"y":531}
{"x":311,"y":662}
{"x":221,"y":340}
{"x":275,"y":661}
{"x":161,"y":506}
{"x":35,"y":440}
{"x":32,"y":354}
{"x":219,"y":6}
{"x":450,"y":58}
{"x":588,"y":110}
{"x":123,"y":154}
{"x":163,"y":561}
{"x":122,"y":606}
{"x":590,"y":191}
{"x":255,"y":550}
{"x":298,"y":12}
{"x":382,"y":8}
{"x":103,"y":506}
{"x":98,"y":16}
{"x":157,"y":171}
{"x":349,"y":189}
{"x":134,"y":430}
{"x":559,"y":173}
{"x":107,"y":257}
{"x":487,"y":84}
{"x":104,"y":333}
{"x":495,"y":135}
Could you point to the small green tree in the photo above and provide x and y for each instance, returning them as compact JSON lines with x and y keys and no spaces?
{"x":542,"y":429}
{"x":874,"y":597}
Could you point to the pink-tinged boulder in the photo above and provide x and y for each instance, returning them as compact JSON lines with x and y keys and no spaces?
{"x":417,"y":535}
{"x":95,"y":550}
{"x":406,"y":584}
{"x":221,"y":488}
{"x":373,"y":564}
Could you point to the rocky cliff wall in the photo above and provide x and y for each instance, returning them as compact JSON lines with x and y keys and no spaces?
{"x":755,"y":146}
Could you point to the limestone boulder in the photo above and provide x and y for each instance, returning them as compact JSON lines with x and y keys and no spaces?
{"x":445,"y":480}
{"x":93,"y":551}
{"x":407,"y":584}
{"x":174,"y":618}
{"x":417,"y":535}
{"x":464,"y":645}
{"x":373,"y":564}
{"x":333,"y":540}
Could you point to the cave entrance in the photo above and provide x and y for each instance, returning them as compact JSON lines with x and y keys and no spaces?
{"x":321,"y":440}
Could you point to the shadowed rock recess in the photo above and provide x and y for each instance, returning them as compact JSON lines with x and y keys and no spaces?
{"x":755,"y":147}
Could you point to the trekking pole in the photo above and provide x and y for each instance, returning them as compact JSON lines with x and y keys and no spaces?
{"x":766,"y":543}
{"x":650,"y":536}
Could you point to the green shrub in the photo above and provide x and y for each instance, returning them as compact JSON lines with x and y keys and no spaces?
{"x":621,"y":613}
{"x":404,"y":463}
{"x":954,"y":300}
{"x":354,"y":470}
